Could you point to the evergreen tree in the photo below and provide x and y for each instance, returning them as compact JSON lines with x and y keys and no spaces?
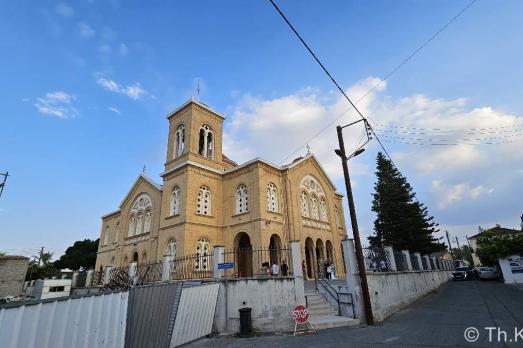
{"x":81,"y":254}
{"x":401,"y":222}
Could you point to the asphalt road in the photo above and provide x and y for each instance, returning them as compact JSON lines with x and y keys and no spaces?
{"x":436,"y":320}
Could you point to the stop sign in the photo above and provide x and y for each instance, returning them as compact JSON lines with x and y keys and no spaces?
{"x":300,"y":314}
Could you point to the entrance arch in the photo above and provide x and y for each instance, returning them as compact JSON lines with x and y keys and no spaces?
{"x":275,"y":249}
{"x":309,"y":257}
{"x":243,"y":254}
{"x":135,"y":257}
{"x":330,"y":251}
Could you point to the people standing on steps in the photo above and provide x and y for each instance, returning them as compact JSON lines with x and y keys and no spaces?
{"x":284,"y":269}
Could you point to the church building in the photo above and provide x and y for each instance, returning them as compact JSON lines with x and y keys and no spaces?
{"x":207,"y":200}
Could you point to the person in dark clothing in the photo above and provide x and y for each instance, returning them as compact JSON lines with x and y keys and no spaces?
{"x":284,"y":269}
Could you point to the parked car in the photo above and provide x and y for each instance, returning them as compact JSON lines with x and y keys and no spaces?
{"x":486,"y":272}
{"x":464,"y":273}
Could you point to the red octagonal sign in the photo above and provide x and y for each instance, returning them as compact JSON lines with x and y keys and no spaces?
{"x":300,"y":314}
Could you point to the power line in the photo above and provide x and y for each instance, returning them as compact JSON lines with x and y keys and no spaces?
{"x":387,"y":76}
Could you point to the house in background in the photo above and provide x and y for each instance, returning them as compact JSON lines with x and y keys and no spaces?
{"x":12,"y":274}
{"x":496,"y":231}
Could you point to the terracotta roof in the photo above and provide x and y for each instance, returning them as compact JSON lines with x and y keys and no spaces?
{"x":497,"y":231}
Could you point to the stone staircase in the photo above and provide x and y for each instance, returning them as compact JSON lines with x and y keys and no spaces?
{"x":322,"y":314}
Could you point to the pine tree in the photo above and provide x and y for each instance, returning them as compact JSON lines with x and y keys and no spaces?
{"x":401,"y":222}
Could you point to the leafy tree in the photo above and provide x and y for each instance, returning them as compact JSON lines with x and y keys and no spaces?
{"x":491,"y":247}
{"x":463,"y":253}
{"x":401,"y":222}
{"x":81,"y":254}
{"x":43,"y":269}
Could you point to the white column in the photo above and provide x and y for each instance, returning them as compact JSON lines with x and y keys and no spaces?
{"x":132,"y":269}
{"x":217,"y":258}
{"x":166,"y":268}
{"x":407,"y":257}
{"x":428,"y":262}
{"x":353,"y":276}
{"x":418,"y":256}
{"x":392,"y":260}
{"x":297,"y":271}
{"x":89,"y":277}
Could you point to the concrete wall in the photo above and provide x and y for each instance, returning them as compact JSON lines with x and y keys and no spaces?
{"x":46,"y":288}
{"x":512,"y":274}
{"x":271,"y":299}
{"x":12,"y":274}
{"x":390,"y":292}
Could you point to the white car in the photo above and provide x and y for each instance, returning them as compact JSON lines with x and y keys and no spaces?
{"x":488,"y":273}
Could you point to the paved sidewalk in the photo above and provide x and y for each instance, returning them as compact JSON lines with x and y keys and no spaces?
{"x":437,"y":320}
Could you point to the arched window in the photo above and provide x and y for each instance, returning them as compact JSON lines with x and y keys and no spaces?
{"x":304,"y":204}
{"x":206,"y":142}
{"x":117,"y":232}
{"x":171,"y":248}
{"x":323,"y":210}
{"x":314,"y":207}
{"x":242,"y":199}
{"x":272,"y":197}
{"x":175,"y":201}
{"x":106,"y":235}
{"x":139,"y":223}
{"x":203,"y":249}
{"x":337,"y":216}
{"x":141,"y":215}
{"x":203,"y":203}
{"x":132,"y":226}
{"x":179,"y":141}
{"x":147,"y":222}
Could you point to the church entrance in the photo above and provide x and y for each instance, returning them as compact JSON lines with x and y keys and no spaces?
{"x":309,"y":257}
{"x":243,"y":249}
{"x":275,"y":250}
{"x":320,"y":259}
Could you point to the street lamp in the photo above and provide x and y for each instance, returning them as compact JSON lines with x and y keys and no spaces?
{"x":357,"y":242}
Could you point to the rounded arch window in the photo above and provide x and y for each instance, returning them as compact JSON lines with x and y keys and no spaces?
{"x":242,"y":199}
{"x":206,"y":141}
{"x":203,"y":248}
{"x":179,"y":140}
{"x":203,"y":201}
{"x":272,"y":197}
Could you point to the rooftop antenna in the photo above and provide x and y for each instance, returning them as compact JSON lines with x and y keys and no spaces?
{"x":198,"y":91}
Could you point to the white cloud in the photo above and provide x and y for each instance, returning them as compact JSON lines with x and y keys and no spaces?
{"x":123,"y":49}
{"x":85,"y":30}
{"x":64,"y":10}
{"x":115,"y":110}
{"x":447,"y":195}
{"x":134,"y":91}
{"x":59,"y":104}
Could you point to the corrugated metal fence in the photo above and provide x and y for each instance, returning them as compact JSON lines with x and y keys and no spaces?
{"x":195,"y":313}
{"x":89,"y":321}
{"x":150,"y":315}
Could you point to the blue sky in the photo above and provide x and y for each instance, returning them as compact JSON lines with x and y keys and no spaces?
{"x":86,"y":85}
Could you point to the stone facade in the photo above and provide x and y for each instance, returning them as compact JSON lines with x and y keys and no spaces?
{"x":12,"y":274}
{"x":207,"y":199}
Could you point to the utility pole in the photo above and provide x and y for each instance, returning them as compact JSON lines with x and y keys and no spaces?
{"x":2,"y":185}
{"x":457,"y":242}
{"x":450,"y":245}
{"x":40,"y":256}
{"x":357,"y":242}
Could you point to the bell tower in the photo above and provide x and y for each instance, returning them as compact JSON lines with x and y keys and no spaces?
{"x":195,"y":134}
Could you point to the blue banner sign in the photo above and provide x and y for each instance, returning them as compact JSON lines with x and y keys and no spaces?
{"x":226,"y":265}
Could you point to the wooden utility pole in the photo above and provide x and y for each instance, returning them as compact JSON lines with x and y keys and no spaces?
{"x":357,"y":242}
{"x":450,"y":245}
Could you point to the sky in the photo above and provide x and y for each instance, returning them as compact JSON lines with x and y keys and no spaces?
{"x":86,"y":85}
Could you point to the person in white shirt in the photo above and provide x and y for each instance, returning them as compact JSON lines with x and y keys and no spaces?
{"x":275,"y":269}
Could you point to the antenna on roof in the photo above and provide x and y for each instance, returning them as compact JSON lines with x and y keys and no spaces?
{"x":198,"y":91}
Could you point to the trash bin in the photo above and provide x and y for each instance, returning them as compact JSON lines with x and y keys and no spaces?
{"x":245,"y":322}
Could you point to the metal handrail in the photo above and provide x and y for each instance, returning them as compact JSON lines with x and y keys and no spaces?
{"x":329,"y":287}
